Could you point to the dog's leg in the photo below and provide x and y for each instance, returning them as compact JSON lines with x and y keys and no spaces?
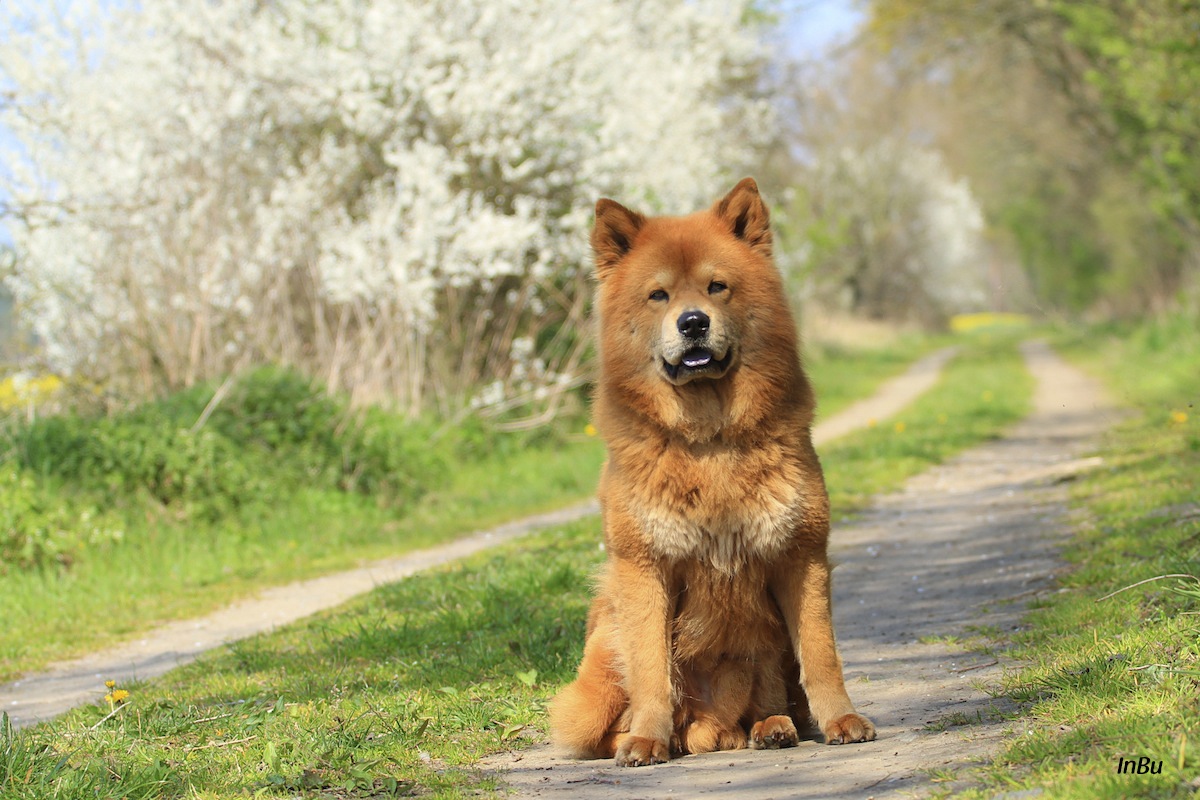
{"x":771,"y":726}
{"x":715,"y":724}
{"x":802,"y":590}
{"x":587,"y":715}
{"x":643,"y":610}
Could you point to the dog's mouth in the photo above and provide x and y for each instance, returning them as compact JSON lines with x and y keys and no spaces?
{"x":695,"y":362}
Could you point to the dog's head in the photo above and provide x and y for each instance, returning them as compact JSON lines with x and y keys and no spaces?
{"x":677,"y":294}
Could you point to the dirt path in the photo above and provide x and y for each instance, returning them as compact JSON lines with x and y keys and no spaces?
{"x":960,"y":547}
{"x":67,"y":684}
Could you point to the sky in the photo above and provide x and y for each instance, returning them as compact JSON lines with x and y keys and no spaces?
{"x":809,"y":27}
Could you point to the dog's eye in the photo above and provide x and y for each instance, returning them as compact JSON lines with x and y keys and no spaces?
{"x":658,"y":294}
{"x":716,"y":287}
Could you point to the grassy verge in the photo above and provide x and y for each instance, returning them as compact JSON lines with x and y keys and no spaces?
{"x":1112,"y":679}
{"x":403,"y":690}
{"x":984,"y":389}
{"x":841,"y":375}
{"x":170,"y":564}
{"x":405,"y":687}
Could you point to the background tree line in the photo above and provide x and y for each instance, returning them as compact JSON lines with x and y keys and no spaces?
{"x":1078,"y":125}
{"x":394,"y":196}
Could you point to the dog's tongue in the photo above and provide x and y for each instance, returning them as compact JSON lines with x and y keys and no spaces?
{"x":696,"y":358}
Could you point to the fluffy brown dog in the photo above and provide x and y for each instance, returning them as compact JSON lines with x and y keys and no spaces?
{"x":711,"y":628}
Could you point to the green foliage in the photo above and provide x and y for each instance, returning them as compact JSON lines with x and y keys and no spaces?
{"x":1143,"y":61}
{"x":278,"y":409}
{"x":274,"y":432}
{"x":1056,"y":242}
{"x":1087,"y":153}
{"x":168,"y":567}
{"x":140,"y":455}
{"x":39,"y":529}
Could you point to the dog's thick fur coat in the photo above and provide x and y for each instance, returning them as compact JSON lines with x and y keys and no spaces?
{"x":711,"y":626}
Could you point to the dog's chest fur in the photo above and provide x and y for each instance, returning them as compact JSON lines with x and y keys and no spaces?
{"x":721,"y":505}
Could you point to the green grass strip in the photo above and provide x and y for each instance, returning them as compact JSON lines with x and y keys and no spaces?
{"x":983,"y":390}
{"x":164,"y":570}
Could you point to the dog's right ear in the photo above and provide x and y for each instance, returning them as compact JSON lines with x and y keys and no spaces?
{"x":612,"y":237}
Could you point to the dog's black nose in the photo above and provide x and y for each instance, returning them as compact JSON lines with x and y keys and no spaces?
{"x":693,"y":324}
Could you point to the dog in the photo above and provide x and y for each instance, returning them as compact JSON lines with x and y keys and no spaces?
{"x":711,"y":626}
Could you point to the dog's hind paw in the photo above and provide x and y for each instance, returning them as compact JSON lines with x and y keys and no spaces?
{"x":639,"y":751}
{"x":773,"y":733}
{"x":849,"y":728}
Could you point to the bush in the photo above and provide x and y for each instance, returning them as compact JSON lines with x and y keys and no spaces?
{"x":389,"y":458}
{"x":278,"y":409}
{"x":37,"y":529}
{"x":195,"y":474}
{"x":304,"y":429}
{"x":273,"y":433}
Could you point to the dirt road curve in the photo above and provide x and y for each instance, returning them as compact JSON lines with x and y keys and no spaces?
{"x":963,"y":545}
{"x":70,"y":683}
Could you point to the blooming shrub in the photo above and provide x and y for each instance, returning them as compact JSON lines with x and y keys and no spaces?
{"x":392,"y":195}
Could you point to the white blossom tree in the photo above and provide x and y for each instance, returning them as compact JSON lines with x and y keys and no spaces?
{"x":390,"y":194}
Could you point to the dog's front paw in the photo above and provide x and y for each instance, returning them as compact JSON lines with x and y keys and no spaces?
{"x":705,"y":736}
{"x":849,"y":728}
{"x":773,"y":733}
{"x":639,"y":751}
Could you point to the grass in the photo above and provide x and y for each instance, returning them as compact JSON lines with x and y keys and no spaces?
{"x":1117,"y":676}
{"x":406,"y":687}
{"x":403,"y":690}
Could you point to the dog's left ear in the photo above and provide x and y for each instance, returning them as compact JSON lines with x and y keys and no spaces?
{"x":744,"y":211}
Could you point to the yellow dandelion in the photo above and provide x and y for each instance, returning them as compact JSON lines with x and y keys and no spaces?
{"x":120,"y":695}
{"x":1179,"y":417}
{"x":110,"y":684}
{"x":589,"y":429}
{"x":871,"y":423}
{"x":987,"y":395}
{"x":899,"y":427}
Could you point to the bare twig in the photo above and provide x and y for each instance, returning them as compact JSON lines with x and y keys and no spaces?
{"x":219,"y":744}
{"x":217,"y":397}
{"x":991,"y":663}
{"x":1148,"y":580}
{"x":120,"y":707}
